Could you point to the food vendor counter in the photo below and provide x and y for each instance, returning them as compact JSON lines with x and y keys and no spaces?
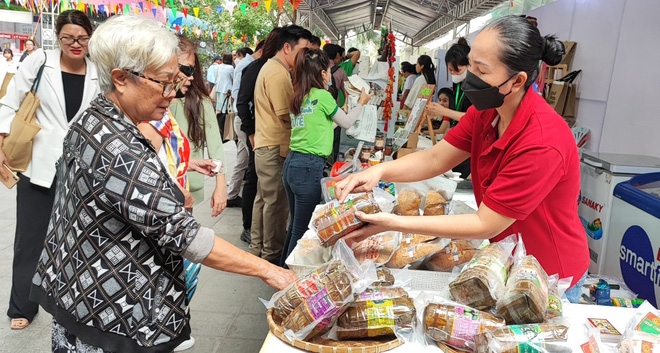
{"x":576,"y":316}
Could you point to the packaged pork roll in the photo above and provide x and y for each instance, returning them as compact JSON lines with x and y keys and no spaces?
{"x":336,"y":220}
{"x":378,"y":248}
{"x":309,"y":306}
{"x":320,"y":309}
{"x":309,"y":285}
{"x":456,"y":325}
{"x":556,"y":289}
{"x":525,"y":298}
{"x":375,"y":318}
{"x":385,"y":278}
{"x":546,"y":338}
{"x":482,"y":281}
{"x":406,"y":255}
{"x":380,"y":293}
{"x":456,"y":253}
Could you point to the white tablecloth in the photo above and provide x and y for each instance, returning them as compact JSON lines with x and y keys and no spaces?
{"x":576,"y":315}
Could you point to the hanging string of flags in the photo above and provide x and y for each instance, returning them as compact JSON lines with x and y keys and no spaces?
{"x":181,"y":20}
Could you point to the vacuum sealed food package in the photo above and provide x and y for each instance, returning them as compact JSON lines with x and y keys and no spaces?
{"x":310,"y":305}
{"x":412,"y":239}
{"x":642,"y":334}
{"x":541,"y":338}
{"x":556,"y":289}
{"x":336,"y":220}
{"x":525,"y":298}
{"x":436,"y":204}
{"x":380,"y":293}
{"x":385,"y":278}
{"x":455,"y":254}
{"x":333,"y":272}
{"x":378,"y":248}
{"x":375,"y":318}
{"x":456,"y":325}
{"x":409,"y":202}
{"x":482,"y":281}
{"x":408,"y":254}
{"x":328,"y":187}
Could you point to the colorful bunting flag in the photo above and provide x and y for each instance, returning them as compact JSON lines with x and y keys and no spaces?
{"x":230,"y":7}
{"x":219,"y":9}
{"x":280,"y":3}
{"x":196,"y":11}
{"x":255,"y":4}
{"x":243,"y":6}
{"x":295,"y":4}
{"x":185,"y":12}
{"x":154,"y":11}
{"x":207,"y":9}
{"x":267,"y":3}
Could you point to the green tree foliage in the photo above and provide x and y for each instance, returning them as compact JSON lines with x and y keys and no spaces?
{"x":255,"y":22}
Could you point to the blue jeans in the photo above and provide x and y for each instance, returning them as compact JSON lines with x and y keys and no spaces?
{"x":574,"y":293}
{"x":301,"y":175}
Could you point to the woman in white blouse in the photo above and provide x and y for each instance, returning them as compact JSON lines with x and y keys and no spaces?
{"x":7,"y":70}
{"x":68,"y":84}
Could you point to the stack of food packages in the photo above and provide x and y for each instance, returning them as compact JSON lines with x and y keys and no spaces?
{"x":502,"y":304}
{"x":492,"y":288}
{"x":642,"y":334}
{"x":342,"y":300}
{"x":313,"y":303}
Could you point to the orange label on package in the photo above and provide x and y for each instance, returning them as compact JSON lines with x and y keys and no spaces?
{"x":308,"y":286}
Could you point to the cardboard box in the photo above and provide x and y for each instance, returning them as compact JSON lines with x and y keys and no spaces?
{"x":413,"y":140}
{"x":570,"y":48}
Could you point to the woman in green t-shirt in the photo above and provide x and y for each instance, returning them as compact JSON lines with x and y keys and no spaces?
{"x":313,"y":113}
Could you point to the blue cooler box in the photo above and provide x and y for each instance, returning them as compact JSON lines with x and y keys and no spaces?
{"x":633,"y":250}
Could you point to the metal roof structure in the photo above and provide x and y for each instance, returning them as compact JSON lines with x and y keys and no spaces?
{"x":419,"y":20}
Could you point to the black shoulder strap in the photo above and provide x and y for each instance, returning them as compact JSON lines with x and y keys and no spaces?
{"x":37,"y":80}
{"x":335,"y":68}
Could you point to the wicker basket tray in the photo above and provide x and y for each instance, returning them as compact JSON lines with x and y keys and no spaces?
{"x":321,"y":345}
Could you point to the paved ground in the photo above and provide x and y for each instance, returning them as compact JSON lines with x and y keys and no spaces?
{"x":227,"y":315}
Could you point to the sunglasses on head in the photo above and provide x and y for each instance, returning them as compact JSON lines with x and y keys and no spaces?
{"x":187,"y":70}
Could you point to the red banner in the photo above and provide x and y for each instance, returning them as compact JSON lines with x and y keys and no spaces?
{"x":14,"y":36}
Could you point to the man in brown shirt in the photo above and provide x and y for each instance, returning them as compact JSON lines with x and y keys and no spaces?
{"x":272,"y":95}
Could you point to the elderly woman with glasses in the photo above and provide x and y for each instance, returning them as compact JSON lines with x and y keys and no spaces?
{"x":67,"y":86}
{"x":111,"y":272}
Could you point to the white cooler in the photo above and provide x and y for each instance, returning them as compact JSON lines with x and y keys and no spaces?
{"x":633,"y":248}
{"x":600,"y":173}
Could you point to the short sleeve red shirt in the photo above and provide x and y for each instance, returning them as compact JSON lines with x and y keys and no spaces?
{"x":531,"y":174}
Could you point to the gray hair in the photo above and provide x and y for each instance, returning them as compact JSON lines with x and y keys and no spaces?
{"x":130,"y":42}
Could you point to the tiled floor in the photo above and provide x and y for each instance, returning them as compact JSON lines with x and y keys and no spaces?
{"x":226,"y":313}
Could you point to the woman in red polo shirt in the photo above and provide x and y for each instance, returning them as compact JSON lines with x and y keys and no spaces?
{"x":525,"y":164}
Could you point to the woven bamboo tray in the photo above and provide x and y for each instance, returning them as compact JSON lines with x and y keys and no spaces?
{"x":321,"y":345}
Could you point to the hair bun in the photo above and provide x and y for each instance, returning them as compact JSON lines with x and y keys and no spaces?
{"x":463,"y":41}
{"x":552,"y":51}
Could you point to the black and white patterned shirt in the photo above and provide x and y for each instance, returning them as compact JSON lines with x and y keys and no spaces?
{"x":111,"y":271}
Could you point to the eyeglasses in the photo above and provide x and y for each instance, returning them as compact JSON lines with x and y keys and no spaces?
{"x":168,"y":87}
{"x":187,"y":70}
{"x":71,"y":40}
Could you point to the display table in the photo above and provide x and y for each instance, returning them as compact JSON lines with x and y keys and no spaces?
{"x":575,"y":314}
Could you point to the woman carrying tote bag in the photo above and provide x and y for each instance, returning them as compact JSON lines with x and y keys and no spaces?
{"x":68,"y":84}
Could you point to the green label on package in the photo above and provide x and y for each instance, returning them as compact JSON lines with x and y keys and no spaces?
{"x":525,"y":335}
{"x":649,"y":324}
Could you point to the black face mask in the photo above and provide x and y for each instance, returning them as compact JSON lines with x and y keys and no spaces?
{"x":179,"y":94}
{"x":482,"y":95}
